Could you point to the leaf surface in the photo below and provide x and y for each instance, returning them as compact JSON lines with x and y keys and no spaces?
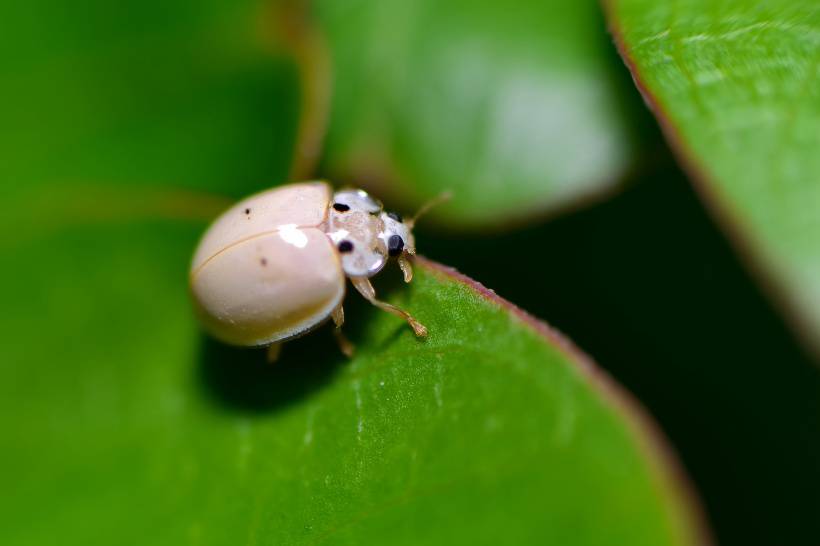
{"x":123,"y":423}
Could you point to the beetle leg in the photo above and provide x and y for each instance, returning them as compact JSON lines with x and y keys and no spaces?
{"x":362,"y":284}
{"x":406,"y":268}
{"x":273,"y":352}
{"x":338,"y":316}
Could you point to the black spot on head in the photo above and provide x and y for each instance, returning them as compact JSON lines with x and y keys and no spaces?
{"x":395,"y":216}
{"x":345,"y":246}
{"x":395,"y":245}
{"x":341,"y":207}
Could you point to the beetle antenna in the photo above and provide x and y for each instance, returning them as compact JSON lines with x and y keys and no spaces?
{"x":425,"y":208}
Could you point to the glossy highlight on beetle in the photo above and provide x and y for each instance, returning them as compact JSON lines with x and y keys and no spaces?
{"x":273,"y":266}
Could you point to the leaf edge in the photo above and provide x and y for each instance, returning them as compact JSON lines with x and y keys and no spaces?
{"x":667,"y":472}
{"x":719,"y":208}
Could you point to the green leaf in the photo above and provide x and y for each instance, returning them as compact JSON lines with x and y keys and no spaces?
{"x":734,"y":85}
{"x":123,"y":424}
{"x":519,"y":110}
{"x":150,"y":93}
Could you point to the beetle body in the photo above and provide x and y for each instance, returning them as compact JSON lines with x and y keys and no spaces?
{"x":273,"y":266}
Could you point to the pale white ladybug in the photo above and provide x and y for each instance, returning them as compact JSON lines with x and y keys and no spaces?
{"x":273,"y":266}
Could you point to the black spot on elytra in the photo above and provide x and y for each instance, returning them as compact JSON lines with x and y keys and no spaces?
{"x":341,"y":207}
{"x":345,"y":246}
{"x":264,"y":262}
{"x":247,"y":211}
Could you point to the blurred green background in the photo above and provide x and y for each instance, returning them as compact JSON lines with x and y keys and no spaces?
{"x":126,"y":127}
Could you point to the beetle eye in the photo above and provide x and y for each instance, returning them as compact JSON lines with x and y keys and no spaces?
{"x":395,"y":216}
{"x":345,"y":246}
{"x":395,"y":245}
{"x":341,"y":207}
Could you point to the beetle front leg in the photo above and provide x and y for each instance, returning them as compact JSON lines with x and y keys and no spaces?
{"x":406,"y":267}
{"x":365,"y":288}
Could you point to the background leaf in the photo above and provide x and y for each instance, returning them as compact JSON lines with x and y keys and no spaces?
{"x":735,"y":86}
{"x":518,"y":109}
{"x":144,"y":93}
